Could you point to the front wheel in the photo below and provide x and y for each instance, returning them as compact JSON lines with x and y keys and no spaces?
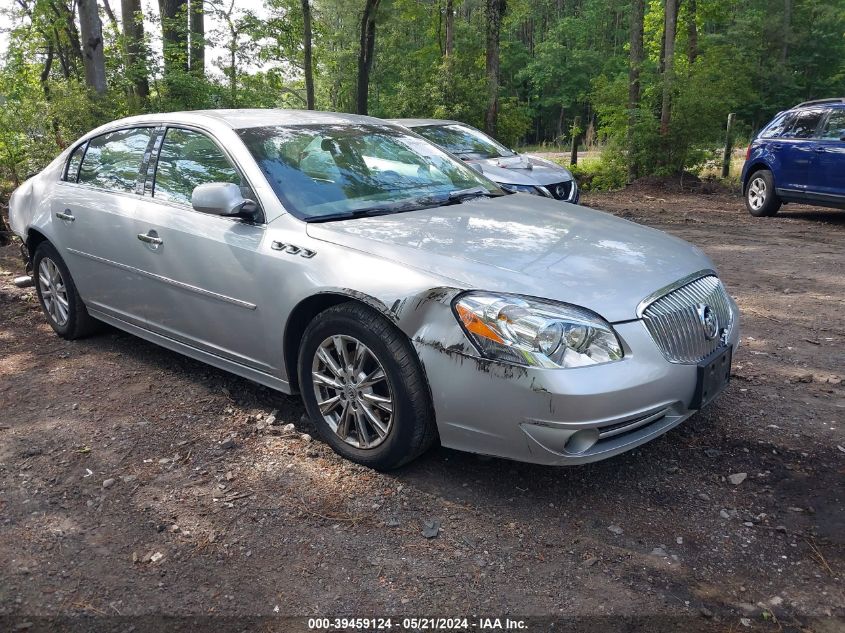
{"x":364,"y":388}
{"x":760,"y":197}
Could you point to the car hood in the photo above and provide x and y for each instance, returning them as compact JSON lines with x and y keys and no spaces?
{"x":528,"y":245}
{"x":522,"y":170}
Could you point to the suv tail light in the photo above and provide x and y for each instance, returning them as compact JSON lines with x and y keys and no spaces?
{"x":748,"y":153}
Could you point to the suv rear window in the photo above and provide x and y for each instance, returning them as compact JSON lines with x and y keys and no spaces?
{"x":777,"y":126}
{"x":113,"y":160}
{"x":804,"y":125}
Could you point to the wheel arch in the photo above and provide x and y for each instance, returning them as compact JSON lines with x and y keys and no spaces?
{"x":34,"y":237}
{"x":757,"y":166}
{"x":306,"y":310}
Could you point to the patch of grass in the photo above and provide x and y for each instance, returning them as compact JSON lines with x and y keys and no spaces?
{"x":598,"y":173}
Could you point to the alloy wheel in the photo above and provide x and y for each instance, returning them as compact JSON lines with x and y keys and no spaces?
{"x":352,"y":391}
{"x":757,"y":193}
{"x":53,"y":291}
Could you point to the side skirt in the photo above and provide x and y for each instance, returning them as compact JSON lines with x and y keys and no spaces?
{"x":215,"y":361}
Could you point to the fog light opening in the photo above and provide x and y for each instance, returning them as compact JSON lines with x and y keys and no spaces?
{"x":581,"y":441}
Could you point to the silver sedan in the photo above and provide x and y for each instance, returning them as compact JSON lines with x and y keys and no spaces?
{"x":513,"y":172}
{"x":406,"y":297}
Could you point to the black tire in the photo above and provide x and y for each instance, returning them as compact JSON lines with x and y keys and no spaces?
{"x":761,"y":200}
{"x":78,"y":322}
{"x":412,"y":430}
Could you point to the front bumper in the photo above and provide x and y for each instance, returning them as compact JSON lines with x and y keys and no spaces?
{"x":533,"y":415}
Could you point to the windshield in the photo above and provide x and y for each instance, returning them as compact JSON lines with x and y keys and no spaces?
{"x":325,"y":172}
{"x":463,"y":141}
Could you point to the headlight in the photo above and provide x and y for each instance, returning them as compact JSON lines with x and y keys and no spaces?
{"x":537,"y":191}
{"x":535,"y":332}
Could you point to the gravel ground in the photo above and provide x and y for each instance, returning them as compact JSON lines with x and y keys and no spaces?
{"x":134,"y":481}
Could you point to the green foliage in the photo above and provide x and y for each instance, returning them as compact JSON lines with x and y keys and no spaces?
{"x":605,"y":173}
{"x":559,"y":60}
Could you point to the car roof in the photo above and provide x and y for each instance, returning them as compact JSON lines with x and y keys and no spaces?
{"x":249,"y":117}
{"x":421,"y":122}
{"x":816,"y":103}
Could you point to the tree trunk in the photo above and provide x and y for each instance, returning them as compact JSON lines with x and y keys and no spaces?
{"x":729,"y":145}
{"x":133,"y":41}
{"x":787,"y":29}
{"x":197,"y":37}
{"x":692,"y":32}
{"x":45,"y":73}
{"x":450,"y":28}
{"x":233,"y":65}
{"x":671,"y":25}
{"x":307,"y":67}
{"x":73,"y":58}
{"x":111,"y":16}
{"x":573,"y":148}
{"x":91,"y":31}
{"x":365,"y":54}
{"x":634,"y":68}
{"x":173,"y":36}
{"x":493,"y":20}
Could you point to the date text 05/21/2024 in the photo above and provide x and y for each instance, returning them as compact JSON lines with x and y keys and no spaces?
{"x":417,"y":624}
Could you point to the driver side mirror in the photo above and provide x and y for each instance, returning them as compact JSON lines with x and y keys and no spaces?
{"x":224,"y":199}
{"x":842,"y":135}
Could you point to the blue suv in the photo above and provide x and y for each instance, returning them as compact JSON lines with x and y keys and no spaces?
{"x":798,"y":157}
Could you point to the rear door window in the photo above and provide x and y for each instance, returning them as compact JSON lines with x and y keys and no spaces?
{"x":835,"y":127}
{"x":188,"y":159}
{"x":112,"y":160}
{"x":805,"y":124}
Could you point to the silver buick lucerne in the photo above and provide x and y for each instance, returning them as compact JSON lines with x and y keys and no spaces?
{"x":405,"y":296}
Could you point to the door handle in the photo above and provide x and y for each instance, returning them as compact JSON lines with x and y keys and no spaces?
{"x":65,"y":215}
{"x":776,"y":146}
{"x":819,"y":148}
{"x":151,"y":238}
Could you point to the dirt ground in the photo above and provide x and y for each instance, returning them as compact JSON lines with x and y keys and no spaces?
{"x":134,"y":481}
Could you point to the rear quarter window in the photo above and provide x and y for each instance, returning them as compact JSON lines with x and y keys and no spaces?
{"x":73,"y":163}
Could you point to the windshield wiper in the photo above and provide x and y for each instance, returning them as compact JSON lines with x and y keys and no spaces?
{"x":454,"y":197}
{"x":461,"y":195}
{"x":370,"y":212}
{"x":351,"y":215}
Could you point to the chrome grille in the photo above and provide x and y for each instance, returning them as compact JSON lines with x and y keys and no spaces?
{"x":674,"y":323}
{"x":560,"y":190}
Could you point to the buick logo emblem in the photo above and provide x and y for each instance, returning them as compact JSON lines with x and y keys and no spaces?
{"x":709,"y":321}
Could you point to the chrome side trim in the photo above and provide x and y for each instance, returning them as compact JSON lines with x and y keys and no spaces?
{"x":178,"y":284}
{"x":657,"y":294}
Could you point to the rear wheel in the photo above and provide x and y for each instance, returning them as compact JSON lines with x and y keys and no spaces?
{"x":760,"y":197}
{"x":58,"y":296}
{"x":364,"y":388}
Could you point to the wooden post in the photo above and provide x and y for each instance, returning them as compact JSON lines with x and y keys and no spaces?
{"x":576,"y":132}
{"x":729,"y":146}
